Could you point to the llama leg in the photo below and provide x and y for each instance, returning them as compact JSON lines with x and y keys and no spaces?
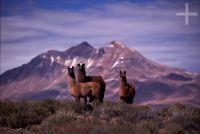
{"x":102,"y":93}
{"x":96,"y":102}
{"x":122,"y":100}
{"x":91,"y":99}
{"x":131,"y":100}
{"x":77,"y":99}
{"x":85,"y":100}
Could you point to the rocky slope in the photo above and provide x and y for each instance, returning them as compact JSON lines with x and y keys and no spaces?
{"x":45,"y":76}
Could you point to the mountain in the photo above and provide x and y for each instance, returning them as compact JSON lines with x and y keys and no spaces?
{"x":45,"y":76}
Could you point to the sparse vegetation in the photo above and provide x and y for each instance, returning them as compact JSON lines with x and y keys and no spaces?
{"x":59,"y":117}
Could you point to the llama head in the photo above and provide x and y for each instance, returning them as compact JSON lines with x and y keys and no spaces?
{"x":123,"y":75}
{"x":70,"y":70}
{"x":81,"y":66}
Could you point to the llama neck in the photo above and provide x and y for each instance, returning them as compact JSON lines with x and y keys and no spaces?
{"x":124,"y":90}
{"x":71,"y":80}
{"x":123,"y":83}
{"x":81,"y":75}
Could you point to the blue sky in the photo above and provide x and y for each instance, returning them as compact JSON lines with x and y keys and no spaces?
{"x":30,"y":27}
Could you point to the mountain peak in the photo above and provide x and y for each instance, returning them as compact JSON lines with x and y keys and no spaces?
{"x":84,"y":49}
{"x":84,"y":44}
{"x":116,"y":44}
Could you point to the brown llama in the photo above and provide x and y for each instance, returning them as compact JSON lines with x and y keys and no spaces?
{"x":83,"y":78}
{"x":126,"y":91}
{"x":83,"y":90}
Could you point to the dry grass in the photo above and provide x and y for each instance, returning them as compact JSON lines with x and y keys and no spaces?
{"x":59,"y":117}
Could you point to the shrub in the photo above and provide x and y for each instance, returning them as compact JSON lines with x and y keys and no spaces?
{"x":180,"y":118}
{"x":59,"y":117}
{"x":173,"y":128}
{"x":22,"y":114}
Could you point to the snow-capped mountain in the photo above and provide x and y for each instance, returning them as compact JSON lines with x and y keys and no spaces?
{"x":45,"y":76}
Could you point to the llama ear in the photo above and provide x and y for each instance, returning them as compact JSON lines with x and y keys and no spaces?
{"x":120,"y":72}
{"x":78,"y":65}
{"x":83,"y":64}
{"x":72,"y":67}
{"x":124,"y":72}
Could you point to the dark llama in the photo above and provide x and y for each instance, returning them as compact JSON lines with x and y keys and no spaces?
{"x":83,"y":78}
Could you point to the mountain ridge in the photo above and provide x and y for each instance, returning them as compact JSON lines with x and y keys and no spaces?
{"x":48,"y":70}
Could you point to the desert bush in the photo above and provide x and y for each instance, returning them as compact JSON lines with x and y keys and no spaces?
{"x":59,"y":117}
{"x":50,"y":105}
{"x":126,"y":112}
{"x":139,"y":113}
{"x":22,"y":114}
{"x":83,"y":126}
{"x":149,"y":126}
{"x":179,"y":118}
{"x":173,"y":128}
{"x":107,"y":111}
{"x":180,"y":110}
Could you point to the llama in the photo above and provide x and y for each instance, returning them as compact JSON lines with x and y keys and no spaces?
{"x":83,"y":78}
{"x":126,"y":91}
{"x":83,"y":90}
